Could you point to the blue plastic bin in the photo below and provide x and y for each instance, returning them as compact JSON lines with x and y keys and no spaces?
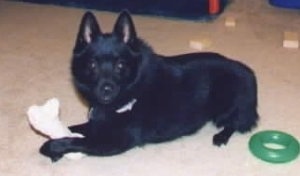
{"x":293,"y":4}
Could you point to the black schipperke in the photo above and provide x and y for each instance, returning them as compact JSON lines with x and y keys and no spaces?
{"x":137,"y":96}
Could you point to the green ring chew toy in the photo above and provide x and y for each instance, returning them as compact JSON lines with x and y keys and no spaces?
{"x":285,"y":147}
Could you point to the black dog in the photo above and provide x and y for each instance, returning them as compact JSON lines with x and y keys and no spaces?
{"x":138,"y":97}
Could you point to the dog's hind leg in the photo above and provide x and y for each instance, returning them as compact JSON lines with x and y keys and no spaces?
{"x":241,"y":117}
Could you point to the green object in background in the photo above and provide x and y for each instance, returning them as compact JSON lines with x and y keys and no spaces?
{"x":274,"y":146}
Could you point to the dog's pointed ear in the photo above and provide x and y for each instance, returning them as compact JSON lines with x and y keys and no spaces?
{"x":124,"y":27}
{"x":88,"y":31}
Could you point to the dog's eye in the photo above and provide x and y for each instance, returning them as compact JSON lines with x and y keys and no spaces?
{"x":92,"y":64}
{"x":119,"y":66}
{"x":91,"y":70}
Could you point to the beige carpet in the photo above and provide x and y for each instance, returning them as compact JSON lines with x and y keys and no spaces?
{"x":35,"y":48}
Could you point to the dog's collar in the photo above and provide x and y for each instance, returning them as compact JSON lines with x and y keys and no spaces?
{"x":127,"y":107}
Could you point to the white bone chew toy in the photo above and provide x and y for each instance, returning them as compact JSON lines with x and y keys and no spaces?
{"x":45,"y":119}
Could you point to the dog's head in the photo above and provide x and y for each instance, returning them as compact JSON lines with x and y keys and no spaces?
{"x":105,"y":64}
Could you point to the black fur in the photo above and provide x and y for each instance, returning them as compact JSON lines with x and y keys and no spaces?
{"x":175,"y":96}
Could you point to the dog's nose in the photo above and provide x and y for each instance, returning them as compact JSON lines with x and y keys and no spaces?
{"x":107,"y":89}
{"x":107,"y":92}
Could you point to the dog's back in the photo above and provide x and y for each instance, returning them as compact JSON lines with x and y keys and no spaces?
{"x":192,"y":89}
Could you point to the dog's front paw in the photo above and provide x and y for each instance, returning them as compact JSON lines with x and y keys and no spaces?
{"x":55,"y":149}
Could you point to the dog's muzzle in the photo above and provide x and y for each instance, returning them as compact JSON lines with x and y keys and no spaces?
{"x":107,"y":92}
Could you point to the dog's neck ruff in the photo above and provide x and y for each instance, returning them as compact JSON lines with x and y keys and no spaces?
{"x":127,"y":107}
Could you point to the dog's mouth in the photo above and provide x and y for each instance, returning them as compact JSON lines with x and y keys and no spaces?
{"x":106,"y":99}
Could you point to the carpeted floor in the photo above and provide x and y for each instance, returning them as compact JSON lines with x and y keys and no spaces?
{"x":35,"y":48}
